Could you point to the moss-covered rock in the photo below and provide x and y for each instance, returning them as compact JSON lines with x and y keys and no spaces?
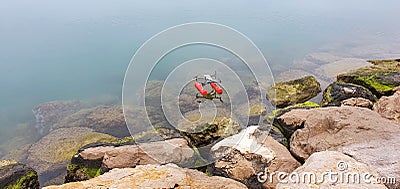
{"x":50,"y":155}
{"x":380,"y":79}
{"x":288,"y":93}
{"x":336,"y":92}
{"x":15,"y":175}
{"x":205,"y":133}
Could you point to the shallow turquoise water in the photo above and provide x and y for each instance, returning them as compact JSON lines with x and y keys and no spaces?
{"x":80,"y":49}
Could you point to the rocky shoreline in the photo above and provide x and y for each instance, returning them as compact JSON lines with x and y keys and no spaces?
{"x":356,"y":122}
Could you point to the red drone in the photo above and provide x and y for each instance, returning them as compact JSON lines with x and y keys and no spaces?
{"x":208,"y":80}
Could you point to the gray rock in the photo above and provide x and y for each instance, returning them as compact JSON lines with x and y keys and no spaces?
{"x":337,"y":92}
{"x":104,"y":119}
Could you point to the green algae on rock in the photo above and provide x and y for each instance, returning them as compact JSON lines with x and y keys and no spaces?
{"x":15,"y":175}
{"x":50,"y":155}
{"x":337,"y":92}
{"x":220,"y":128}
{"x":380,"y":79}
{"x":287,"y":93}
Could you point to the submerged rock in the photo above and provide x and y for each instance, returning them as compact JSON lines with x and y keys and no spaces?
{"x":380,"y":79}
{"x":104,"y":119}
{"x":287,"y":93}
{"x":313,"y":173}
{"x":322,"y":58}
{"x":154,"y":176}
{"x":48,"y":114}
{"x":243,"y":156}
{"x":337,"y":92}
{"x":17,"y":175}
{"x":94,"y":160}
{"x":359,"y":132}
{"x":50,"y":155}
{"x":331,"y":70}
{"x":389,"y":107}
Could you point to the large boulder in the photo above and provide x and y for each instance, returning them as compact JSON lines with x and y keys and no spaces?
{"x":337,"y":92}
{"x":389,"y":107}
{"x":50,"y":155}
{"x":313,"y":173}
{"x":154,"y":176}
{"x":17,"y":175}
{"x":104,"y":119}
{"x":252,"y":151}
{"x":94,"y":160}
{"x":49,"y":113}
{"x":273,"y":118}
{"x":287,"y":93}
{"x":359,"y":132}
{"x":380,"y":79}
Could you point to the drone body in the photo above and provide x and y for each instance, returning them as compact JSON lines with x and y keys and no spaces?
{"x":208,"y":80}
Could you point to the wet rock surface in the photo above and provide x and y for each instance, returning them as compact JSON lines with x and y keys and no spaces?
{"x":323,"y":162}
{"x":380,"y":79}
{"x":94,"y":160}
{"x":48,"y":114}
{"x":50,"y":155}
{"x":17,"y":175}
{"x":287,"y":93}
{"x":243,"y":156}
{"x":154,"y":176}
{"x":337,"y":92}
{"x":104,"y":119}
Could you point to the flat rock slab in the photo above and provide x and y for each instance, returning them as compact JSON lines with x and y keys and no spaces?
{"x":154,"y":176}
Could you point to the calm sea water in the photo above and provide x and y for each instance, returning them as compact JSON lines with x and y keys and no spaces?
{"x":60,"y":50}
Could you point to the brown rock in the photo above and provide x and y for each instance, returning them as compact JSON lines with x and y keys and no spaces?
{"x":154,"y":176}
{"x":252,"y":151}
{"x":160,"y":152}
{"x":359,"y":102}
{"x":324,"y":162}
{"x":389,"y":107}
{"x":360,"y":132}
